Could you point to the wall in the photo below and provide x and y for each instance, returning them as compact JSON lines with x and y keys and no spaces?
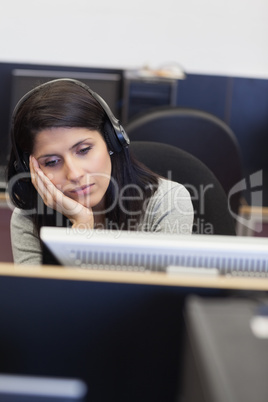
{"x":221,"y":44}
{"x":222,"y":37}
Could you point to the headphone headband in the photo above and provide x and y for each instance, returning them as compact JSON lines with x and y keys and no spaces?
{"x":115,"y":134}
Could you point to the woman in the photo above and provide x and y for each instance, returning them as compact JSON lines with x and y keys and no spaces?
{"x":70,"y":165}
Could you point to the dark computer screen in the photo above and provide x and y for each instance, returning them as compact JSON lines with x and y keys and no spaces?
{"x":107,"y":85}
{"x":121,"y":340}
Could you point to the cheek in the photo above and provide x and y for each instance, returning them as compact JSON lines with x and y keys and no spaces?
{"x":54,"y":177}
{"x":105,"y":169}
{"x":103,"y":165}
{"x":109,"y":166}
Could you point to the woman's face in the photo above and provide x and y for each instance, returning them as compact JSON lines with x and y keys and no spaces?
{"x":77,"y":162}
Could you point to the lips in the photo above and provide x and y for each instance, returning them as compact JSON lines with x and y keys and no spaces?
{"x":82,"y":190}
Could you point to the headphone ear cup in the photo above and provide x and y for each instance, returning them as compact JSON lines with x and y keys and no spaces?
{"x":25,"y":161}
{"x":21,"y":165}
{"x":111,"y":137}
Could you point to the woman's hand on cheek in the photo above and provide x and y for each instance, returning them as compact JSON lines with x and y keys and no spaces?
{"x":55,"y":199}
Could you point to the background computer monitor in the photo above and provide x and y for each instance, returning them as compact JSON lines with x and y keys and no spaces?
{"x":107,"y":85}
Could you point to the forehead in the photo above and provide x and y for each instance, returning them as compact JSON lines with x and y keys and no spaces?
{"x":64,"y":137}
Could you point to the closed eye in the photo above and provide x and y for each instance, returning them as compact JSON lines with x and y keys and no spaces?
{"x":52,"y":163}
{"x":84,"y":151}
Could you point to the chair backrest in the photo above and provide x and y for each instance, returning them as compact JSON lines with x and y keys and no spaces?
{"x":208,"y":197}
{"x":199,"y":133}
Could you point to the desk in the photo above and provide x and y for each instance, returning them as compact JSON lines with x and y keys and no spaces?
{"x":253,"y":221}
{"x":138,"y":278}
{"x":120,"y":332}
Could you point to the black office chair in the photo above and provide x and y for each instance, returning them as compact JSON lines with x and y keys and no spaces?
{"x":208,"y":197}
{"x":199,"y":133}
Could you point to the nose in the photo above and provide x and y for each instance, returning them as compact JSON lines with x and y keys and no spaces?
{"x":73,"y":170}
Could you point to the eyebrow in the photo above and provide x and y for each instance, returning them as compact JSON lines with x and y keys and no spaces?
{"x":72,"y":147}
{"x":80,"y":142}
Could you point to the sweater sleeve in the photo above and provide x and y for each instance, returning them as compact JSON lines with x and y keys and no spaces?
{"x":25,"y":242}
{"x":170,"y":210}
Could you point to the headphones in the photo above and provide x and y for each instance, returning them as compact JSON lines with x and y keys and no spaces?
{"x":114,"y":133}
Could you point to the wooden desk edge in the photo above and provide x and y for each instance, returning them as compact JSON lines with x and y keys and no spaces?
{"x":139,"y":278}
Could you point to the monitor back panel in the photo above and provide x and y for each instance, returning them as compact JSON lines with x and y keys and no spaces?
{"x":123,"y":340}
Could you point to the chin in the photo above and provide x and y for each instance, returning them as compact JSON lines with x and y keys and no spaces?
{"x":96,"y":205}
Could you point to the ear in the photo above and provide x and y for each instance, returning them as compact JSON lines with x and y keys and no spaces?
{"x":111,"y":137}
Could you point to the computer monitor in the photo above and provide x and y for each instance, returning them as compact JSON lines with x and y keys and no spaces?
{"x":109,"y":249}
{"x":22,"y":388}
{"x":107,"y":85}
{"x":121,"y":339}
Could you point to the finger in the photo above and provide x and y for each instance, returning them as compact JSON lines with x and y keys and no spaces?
{"x":53,"y":197}
{"x":50,"y":194}
{"x":44,"y":182}
{"x":41,"y":183}
{"x":34,"y":167}
{"x":44,"y":190}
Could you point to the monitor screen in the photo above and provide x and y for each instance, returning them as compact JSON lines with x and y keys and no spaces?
{"x":121,"y":339}
{"x":107,"y":85}
{"x":156,"y":251}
